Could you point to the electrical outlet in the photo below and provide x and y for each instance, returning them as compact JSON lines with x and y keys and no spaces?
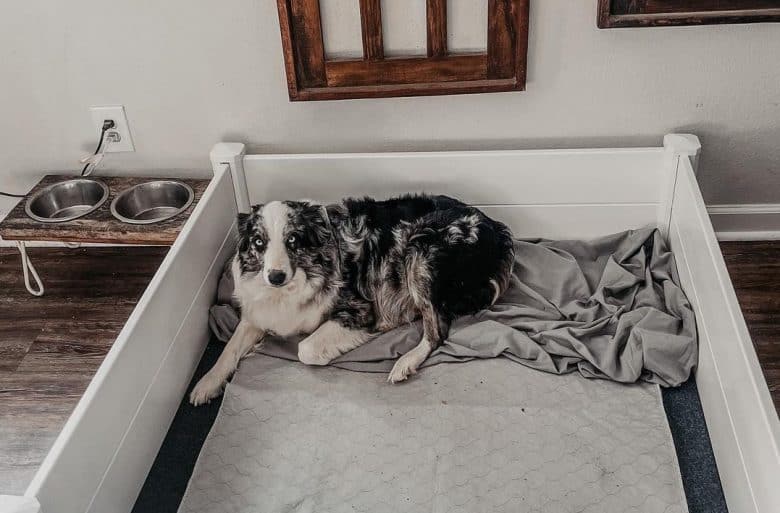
{"x":121,"y":129}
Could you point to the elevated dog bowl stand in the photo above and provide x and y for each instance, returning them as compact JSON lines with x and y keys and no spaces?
{"x":96,"y":227}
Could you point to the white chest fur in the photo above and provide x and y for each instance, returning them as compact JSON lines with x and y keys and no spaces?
{"x":285,"y":311}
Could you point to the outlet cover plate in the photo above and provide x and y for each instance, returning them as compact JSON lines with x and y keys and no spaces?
{"x":117,"y":113}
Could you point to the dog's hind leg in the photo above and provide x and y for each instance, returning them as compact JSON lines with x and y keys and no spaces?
{"x":210,"y":385}
{"x":434,"y":332}
{"x":419,"y":283}
{"x":329,"y":341}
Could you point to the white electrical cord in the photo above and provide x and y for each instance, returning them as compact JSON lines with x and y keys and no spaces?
{"x":27,"y":270}
{"x":93,"y":161}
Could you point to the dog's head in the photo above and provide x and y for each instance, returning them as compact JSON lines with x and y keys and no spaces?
{"x":281,"y":239}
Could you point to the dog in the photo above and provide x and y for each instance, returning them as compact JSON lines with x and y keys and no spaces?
{"x":342,"y":274}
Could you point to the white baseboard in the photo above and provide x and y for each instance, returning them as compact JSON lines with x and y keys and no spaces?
{"x":770,"y":235}
{"x":751,"y":221}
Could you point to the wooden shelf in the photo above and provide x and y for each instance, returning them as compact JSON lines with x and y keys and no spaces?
{"x":99,"y":226}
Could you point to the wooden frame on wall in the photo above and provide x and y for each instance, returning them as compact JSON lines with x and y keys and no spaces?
{"x":312,"y":76}
{"x":653,"y":13}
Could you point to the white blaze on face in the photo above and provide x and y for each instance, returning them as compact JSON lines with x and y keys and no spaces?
{"x":275,"y":218}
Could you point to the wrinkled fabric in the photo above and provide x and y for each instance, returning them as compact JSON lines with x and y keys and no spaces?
{"x":608,"y":308}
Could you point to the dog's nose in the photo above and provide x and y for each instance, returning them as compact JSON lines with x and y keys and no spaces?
{"x":276,"y":277}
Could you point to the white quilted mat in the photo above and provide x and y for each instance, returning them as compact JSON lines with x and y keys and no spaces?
{"x":484,"y":436}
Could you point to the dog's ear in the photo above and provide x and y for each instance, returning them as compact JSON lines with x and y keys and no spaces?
{"x":336,"y":213}
{"x":318,"y":227}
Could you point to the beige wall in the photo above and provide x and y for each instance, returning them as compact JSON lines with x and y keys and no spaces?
{"x":193,"y":72}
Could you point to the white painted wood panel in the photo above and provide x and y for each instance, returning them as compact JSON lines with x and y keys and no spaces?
{"x":741,"y":418}
{"x":125,"y":402}
{"x":722,"y":433}
{"x":572,"y":221}
{"x":537,"y":177}
{"x":124,"y":478}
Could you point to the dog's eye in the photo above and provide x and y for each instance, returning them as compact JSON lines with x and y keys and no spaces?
{"x":292,"y":240}
{"x":259,"y":243}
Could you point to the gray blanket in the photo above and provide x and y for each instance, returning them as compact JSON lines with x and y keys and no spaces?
{"x":608,"y":308}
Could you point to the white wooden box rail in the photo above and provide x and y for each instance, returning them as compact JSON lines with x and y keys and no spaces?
{"x":103,"y":454}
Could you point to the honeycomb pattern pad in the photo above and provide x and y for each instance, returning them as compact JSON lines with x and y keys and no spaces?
{"x":485,"y":436}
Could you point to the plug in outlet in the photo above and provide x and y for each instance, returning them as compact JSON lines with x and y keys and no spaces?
{"x":120,"y":137}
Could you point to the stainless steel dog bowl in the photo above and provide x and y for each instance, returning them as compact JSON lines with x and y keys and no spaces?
{"x":152,"y":202}
{"x":67,"y":200}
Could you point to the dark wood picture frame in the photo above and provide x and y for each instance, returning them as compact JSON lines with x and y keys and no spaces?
{"x":654,"y":13}
{"x":312,"y":76}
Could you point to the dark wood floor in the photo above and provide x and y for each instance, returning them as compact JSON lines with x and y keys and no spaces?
{"x":50,"y":347}
{"x":755,"y":272}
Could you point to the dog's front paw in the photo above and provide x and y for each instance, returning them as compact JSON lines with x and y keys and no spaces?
{"x":209,"y":387}
{"x":313,"y":354}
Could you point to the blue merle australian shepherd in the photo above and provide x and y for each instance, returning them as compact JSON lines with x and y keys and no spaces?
{"x":345,"y":273}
